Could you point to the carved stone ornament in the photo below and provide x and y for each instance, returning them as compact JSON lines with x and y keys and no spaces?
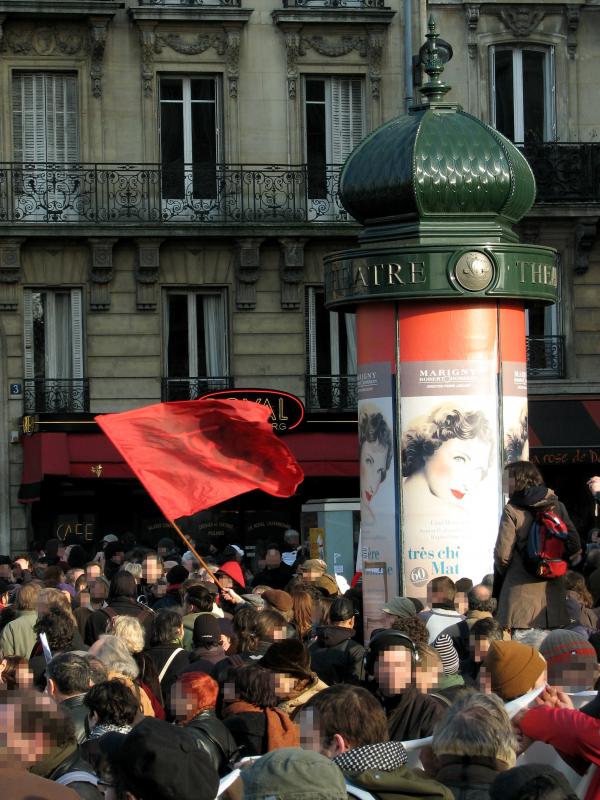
{"x":472,"y":13}
{"x":232,"y":61}
{"x":10,"y":273}
{"x":585,"y":236}
{"x":147,"y":271}
{"x":293,"y":51}
{"x":100,"y":272}
{"x":521,"y":20}
{"x":98,"y":31}
{"x":46,"y":40}
{"x":247,"y":267}
{"x":573,"y":16}
{"x":291,"y":271}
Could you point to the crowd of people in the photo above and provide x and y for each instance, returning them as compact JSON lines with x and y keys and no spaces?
{"x":144,"y":674}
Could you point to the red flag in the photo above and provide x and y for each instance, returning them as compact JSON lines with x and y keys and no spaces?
{"x":194,"y":454}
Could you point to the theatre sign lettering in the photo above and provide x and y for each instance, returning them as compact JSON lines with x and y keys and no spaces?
{"x":287,"y":410}
{"x":495,"y":271}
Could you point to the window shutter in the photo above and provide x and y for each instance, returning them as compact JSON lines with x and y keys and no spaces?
{"x":311,"y":329}
{"x":29,"y":141}
{"x":347,"y":116}
{"x":61,"y":118}
{"x":28,"y":361}
{"x":77,"y":333}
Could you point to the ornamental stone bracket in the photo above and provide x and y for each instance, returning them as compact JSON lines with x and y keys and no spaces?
{"x":368,"y":44}
{"x":147,"y":270}
{"x":98,"y":29}
{"x":10,"y":273}
{"x":247,"y":267}
{"x":573,"y":16}
{"x":100,"y":272}
{"x":225,"y":42}
{"x":472,"y":13}
{"x":585,"y":236}
{"x":291,"y":272}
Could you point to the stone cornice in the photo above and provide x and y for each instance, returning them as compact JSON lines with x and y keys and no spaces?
{"x":327,"y":16}
{"x":204,"y":14}
{"x":60,"y":8}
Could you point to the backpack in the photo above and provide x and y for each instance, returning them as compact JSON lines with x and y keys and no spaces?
{"x":544,"y":552}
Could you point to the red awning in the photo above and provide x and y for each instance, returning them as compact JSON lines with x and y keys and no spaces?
{"x":92,"y":455}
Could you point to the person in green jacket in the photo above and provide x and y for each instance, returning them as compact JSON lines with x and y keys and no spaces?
{"x":18,"y":637}
{"x":348,"y":725}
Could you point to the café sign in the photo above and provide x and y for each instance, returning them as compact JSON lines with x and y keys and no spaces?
{"x":287,"y":410}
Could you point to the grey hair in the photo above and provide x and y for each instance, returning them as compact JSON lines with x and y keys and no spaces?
{"x":114,"y":654}
{"x":290,"y":535}
{"x":134,"y":569}
{"x":476,"y":726}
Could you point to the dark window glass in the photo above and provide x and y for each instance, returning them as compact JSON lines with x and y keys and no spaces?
{"x":537,"y":320}
{"x":38,"y":301}
{"x":171,"y":150}
{"x":203,"y":89}
{"x":171,"y":89}
{"x":200,"y":336}
{"x":533,"y":94}
{"x":322,"y":332}
{"x":204,"y":149}
{"x":177,"y":343}
{"x":315,"y":90}
{"x":316,"y":150}
{"x":505,"y":115}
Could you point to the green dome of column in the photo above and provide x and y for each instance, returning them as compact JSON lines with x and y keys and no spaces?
{"x":437,"y":161}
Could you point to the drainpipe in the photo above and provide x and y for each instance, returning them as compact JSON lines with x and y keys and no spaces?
{"x":408,"y":66}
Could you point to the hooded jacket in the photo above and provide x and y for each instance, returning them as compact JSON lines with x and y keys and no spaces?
{"x":335,"y":657}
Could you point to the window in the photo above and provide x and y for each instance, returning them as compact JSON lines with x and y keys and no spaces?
{"x":45,"y":123}
{"x":523,"y":92}
{"x":334,"y":125}
{"x":331,"y":350}
{"x":53,"y":338}
{"x":196,"y":344}
{"x":545,"y":343}
{"x":190,"y":146}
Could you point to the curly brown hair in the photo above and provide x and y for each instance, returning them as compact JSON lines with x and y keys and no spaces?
{"x":413,"y":627}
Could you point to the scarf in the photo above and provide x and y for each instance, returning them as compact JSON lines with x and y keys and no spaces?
{"x":528,"y":497}
{"x":385,"y":756}
{"x":281,"y":731}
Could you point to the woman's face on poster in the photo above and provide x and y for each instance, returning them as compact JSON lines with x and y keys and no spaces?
{"x":456,"y":468}
{"x":373,"y":458}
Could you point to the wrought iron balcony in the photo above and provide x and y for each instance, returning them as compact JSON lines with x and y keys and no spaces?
{"x":192,"y":388}
{"x":565,"y":172}
{"x":56,"y":396}
{"x":230,"y":3}
{"x":545,"y":357}
{"x":345,"y":4}
{"x":331,"y":392}
{"x":110,"y":194}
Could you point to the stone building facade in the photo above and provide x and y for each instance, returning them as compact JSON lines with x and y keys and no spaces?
{"x":169,"y":189}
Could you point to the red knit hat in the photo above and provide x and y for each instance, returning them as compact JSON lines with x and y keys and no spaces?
{"x":233,"y":569}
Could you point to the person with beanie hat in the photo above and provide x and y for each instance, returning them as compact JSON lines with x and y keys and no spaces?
{"x":334,"y":656}
{"x":197,"y":600}
{"x":572,"y":663}
{"x":399,"y":607}
{"x":327,"y":585}
{"x":172,"y":598}
{"x":311,"y":569}
{"x":294,"y":774}
{"x":514,"y":669}
{"x":208,"y":650}
{"x":295,"y":683}
{"x":160,"y":761}
{"x":114,"y":556}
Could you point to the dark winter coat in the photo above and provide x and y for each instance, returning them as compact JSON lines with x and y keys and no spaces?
{"x":469,"y":780}
{"x":99,"y":621}
{"x":413,"y":715}
{"x":213,"y":738}
{"x":335,"y":657}
{"x":526,"y":602}
{"x":159,"y":655}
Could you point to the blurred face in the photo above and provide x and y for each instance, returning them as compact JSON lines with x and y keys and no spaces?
{"x":97,"y":592}
{"x":272,"y":559}
{"x":284,"y":685}
{"x":118,"y":557}
{"x":373,"y":457}
{"x":393,"y":671}
{"x":151,"y":571}
{"x":93,"y":571}
{"x":310,"y":734}
{"x":181,"y":706}
{"x":16,"y":746}
{"x":456,"y":468}
{"x":74,"y":574}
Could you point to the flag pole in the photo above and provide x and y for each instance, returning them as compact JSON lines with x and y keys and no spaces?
{"x":192,"y":550}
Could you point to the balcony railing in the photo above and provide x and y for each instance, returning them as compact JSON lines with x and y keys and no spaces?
{"x":56,"y":396}
{"x":138,"y":193}
{"x":545,"y":357}
{"x":231,"y":3}
{"x":192,"y":388}
{"x":334,"y":4}
{"x":331,"y":392}
{"x":565,"y":172}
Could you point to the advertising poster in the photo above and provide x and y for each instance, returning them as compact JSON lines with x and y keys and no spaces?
{"x":514,"y":412}
{"x":449,"y":444}
{"x":379,"y":547}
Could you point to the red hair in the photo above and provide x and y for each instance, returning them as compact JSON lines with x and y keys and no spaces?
{"x":198,"y":689}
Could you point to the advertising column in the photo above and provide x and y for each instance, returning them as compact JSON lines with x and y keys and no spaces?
{"x":449,"y":441}
{"x":514,"y":385}
{"x":378,"y":470}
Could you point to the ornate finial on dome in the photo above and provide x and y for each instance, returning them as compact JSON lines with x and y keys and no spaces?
{"x":435,"y":89}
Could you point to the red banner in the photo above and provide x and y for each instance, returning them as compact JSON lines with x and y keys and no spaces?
{"x":192,"y":455}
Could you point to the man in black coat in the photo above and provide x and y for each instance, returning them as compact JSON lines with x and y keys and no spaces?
{"x":69,"y":676}
{"x":121,"y":601}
